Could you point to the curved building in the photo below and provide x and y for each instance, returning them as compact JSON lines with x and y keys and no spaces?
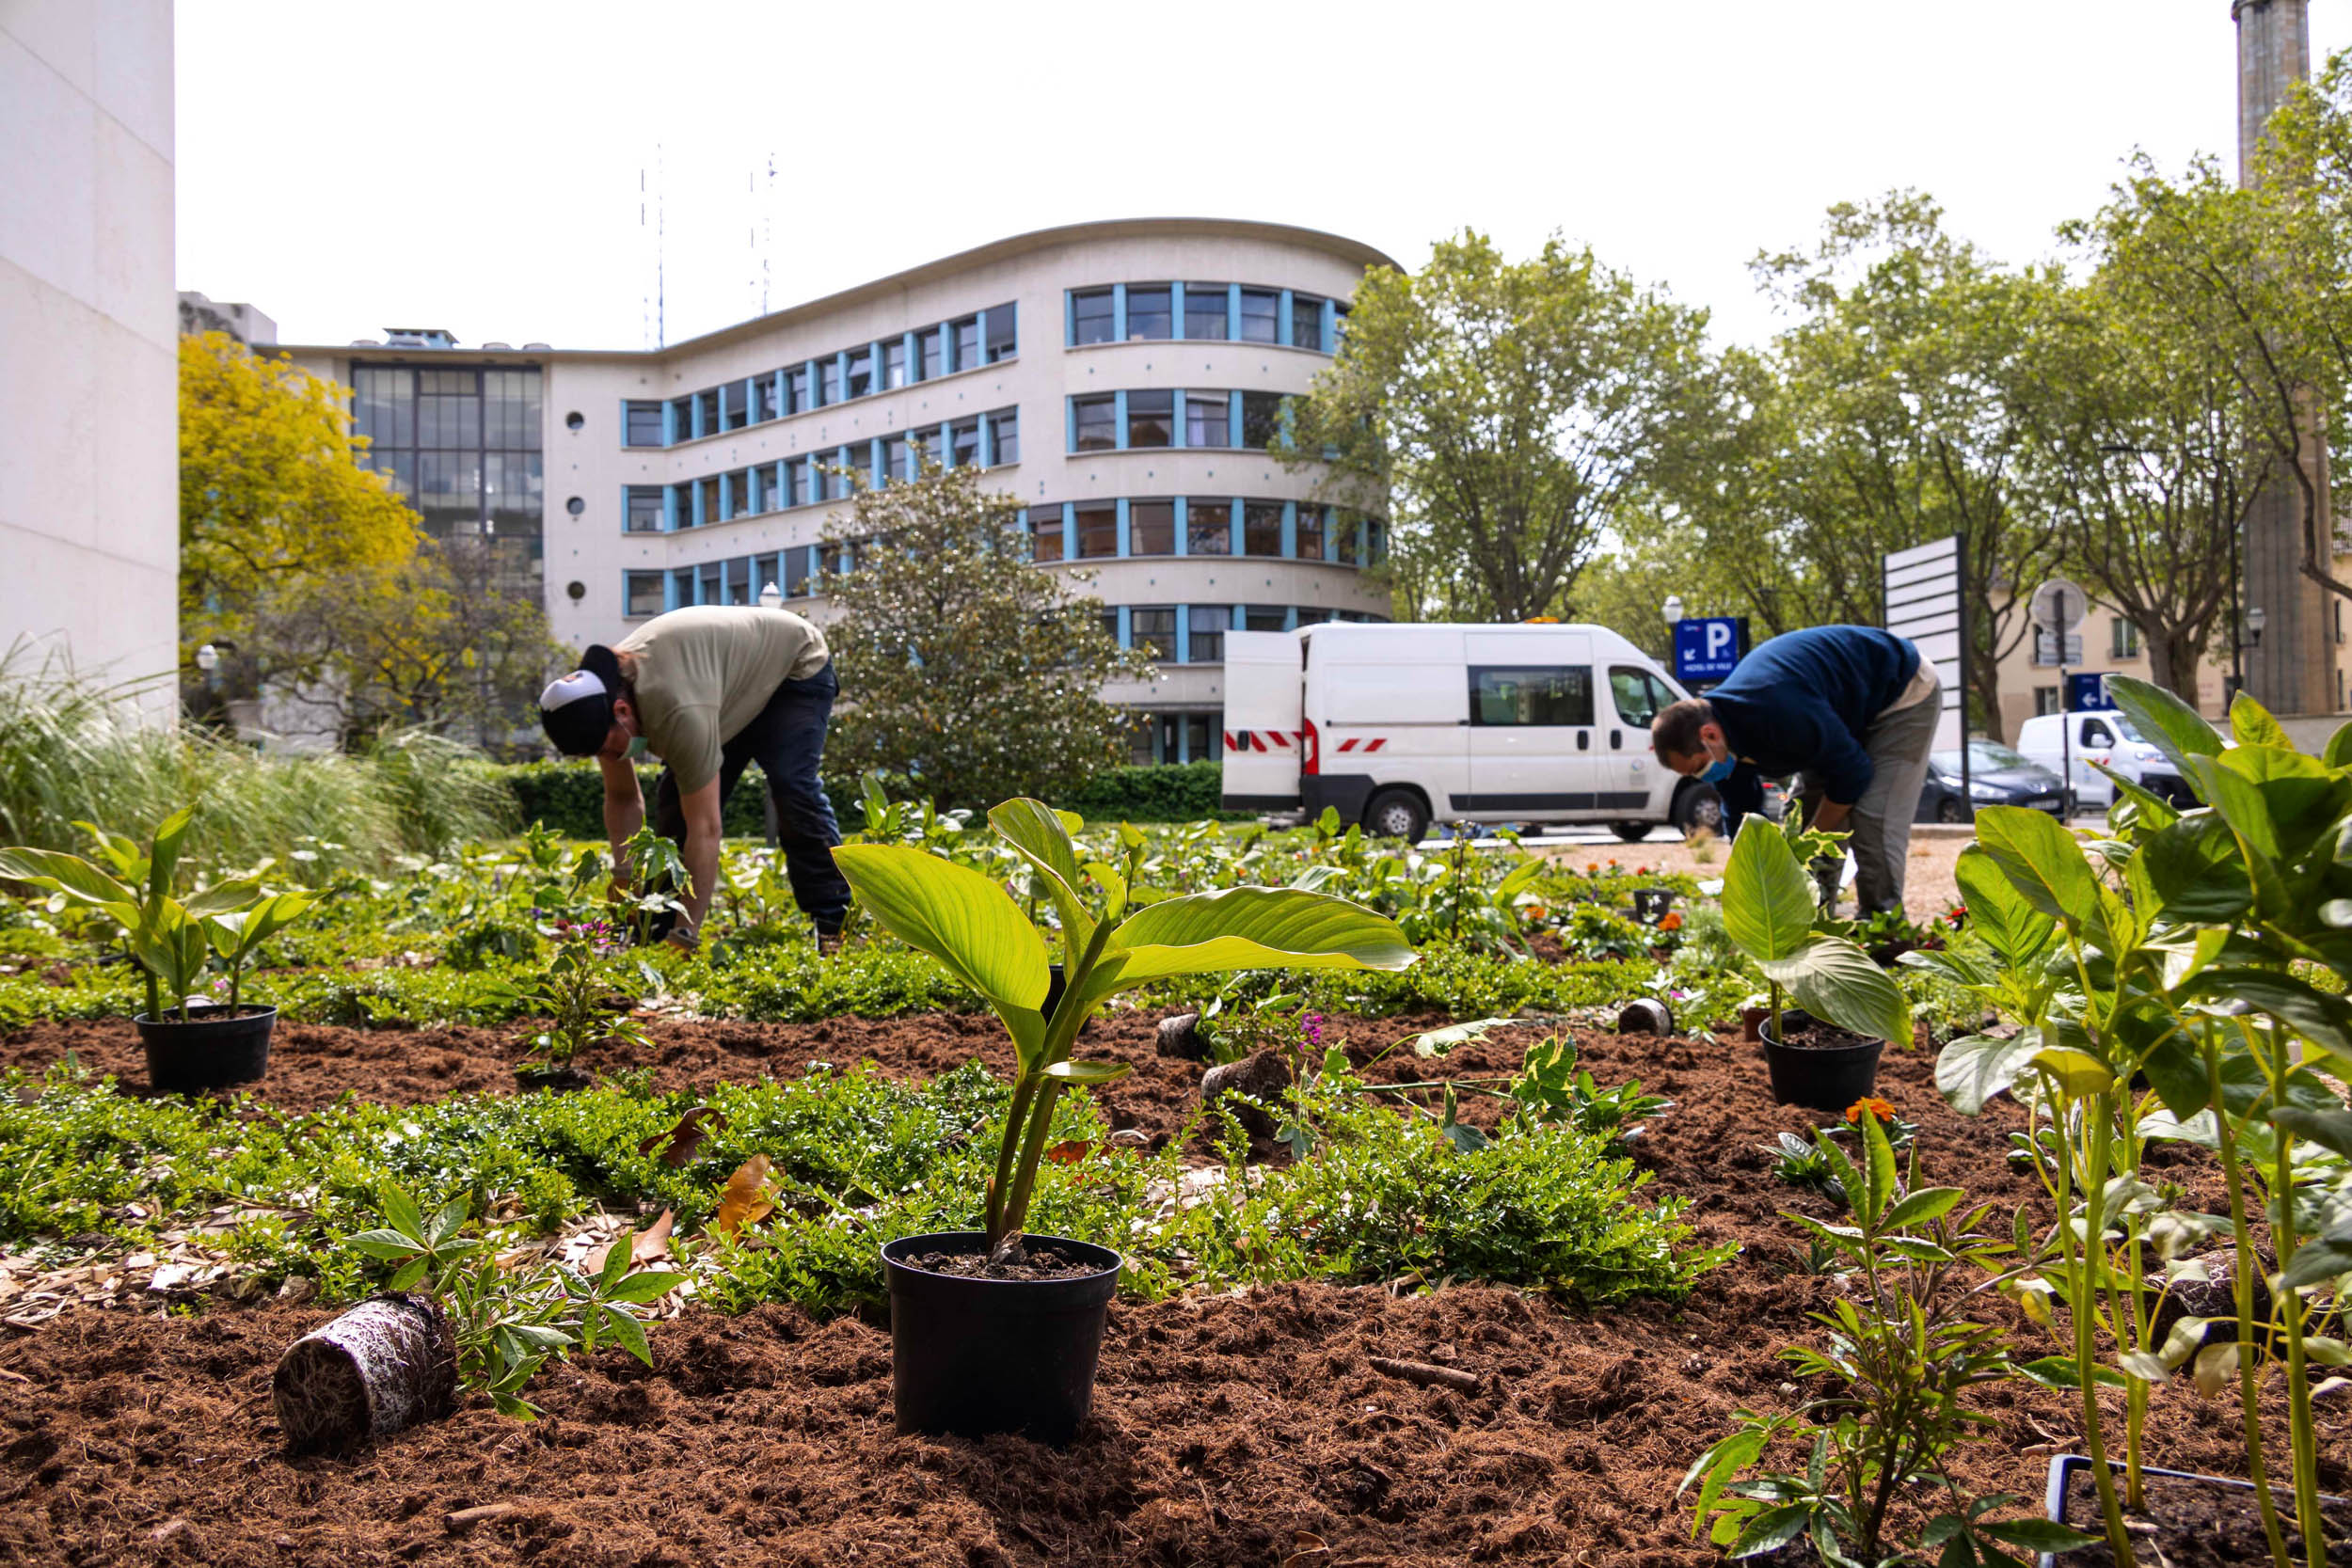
{"x":1120,"y":378}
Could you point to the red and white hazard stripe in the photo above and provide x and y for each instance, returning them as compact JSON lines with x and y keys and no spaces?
{"x":1262,"y":740}
{"x":1352,"y":743}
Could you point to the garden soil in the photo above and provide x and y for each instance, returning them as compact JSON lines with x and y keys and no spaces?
{"x":1236,"y":1429}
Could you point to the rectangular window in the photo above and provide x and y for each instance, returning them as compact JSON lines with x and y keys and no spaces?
{"x":2122,"y":638}
{"x":1343,"y":525}
{"x":645,"y":595}
{"x":713,"y":588}
{"x":1206,"y":636}
{"x":733,"y":411}
{"x":642,"y":427}
{"x":861,"y":372}
{"x":1260,"y":418}
{"x":1203,"y":735}
{"x":1208,"y":419}
{"x":763,"y":399}
{"x":796,"y":389}
{"x":796,"y":574}
{"x":1205,"y":311}
{"x":1045,"y":540}
{"x":1151,"y":528}
{"x":1552,"y":695}
{"x":1313,"y":617}
{"x":1265,"y":617}
{"x":1208,"y":528}
{"x":967,"y":333}
{"x":1305,"y":322}
{"x":743,"y":498}
{"x":385,"y":409}
{"x":645,"y":509}
{"x":1091,"y":319}
{"x":1153,"y":628}
{"x":2045,"y":700}
{"x":963,"y":443}
{"x":933,"y":344}
{"x":1150,"y":419}
{"x":1309,"y":533}
{"x":1098,"y":529}
{"x":706,"y":506}
{"x":707,"y":402}
{"x":1147,"y":312}
{"x":739,"y":581}
{"x":1004,"y":434}
{"x":1261,"y":527}
{"x":828,"y":381}
{"x":895,"y":362}
{"x":1260,"y":313}
{"x":896,"y":454}
{"x":682,"y":415}
{"x":1097,"y":423}
{"x":1111,"y":625}
{"x":682,"y":584}
{"x":1002,"y":340}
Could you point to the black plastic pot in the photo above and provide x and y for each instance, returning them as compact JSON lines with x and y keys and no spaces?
{"x":217,"y":1047}
{"x":2062,"y":1468}
{"x":1820,"y":1079}
{"x":975,"y":1356}
{"x":1650,"y":904}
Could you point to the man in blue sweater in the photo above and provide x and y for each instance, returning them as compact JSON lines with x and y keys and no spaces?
{"x":1852,"y":709}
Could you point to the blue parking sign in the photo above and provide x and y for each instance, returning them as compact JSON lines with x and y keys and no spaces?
{"x":2086,"y":689}
{"x":1707,"y":648}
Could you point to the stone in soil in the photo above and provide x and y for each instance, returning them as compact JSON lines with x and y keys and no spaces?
{"x":1261,"y":1077}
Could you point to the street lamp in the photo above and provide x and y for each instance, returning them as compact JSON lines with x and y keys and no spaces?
{"x":2256,"y":620}
{"x":771,"y":598}
{"x":207,"y":658}
{"x":1673,"y":608}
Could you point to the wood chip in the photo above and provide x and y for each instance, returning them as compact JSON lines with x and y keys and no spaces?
{"x":1425,"y":1374}
{"x":466,"y":1519}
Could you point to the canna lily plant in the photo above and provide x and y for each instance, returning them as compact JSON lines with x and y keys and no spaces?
{"x":1114,"y":936}
{"x":1771,"y":914}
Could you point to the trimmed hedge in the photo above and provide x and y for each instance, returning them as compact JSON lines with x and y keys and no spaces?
{"x":568,"y":796}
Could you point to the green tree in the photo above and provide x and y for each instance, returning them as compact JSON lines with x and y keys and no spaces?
{"x":967,"y":673}
{"x":1501,"y":411}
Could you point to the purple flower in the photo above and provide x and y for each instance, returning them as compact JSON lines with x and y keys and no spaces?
{"x":1310,"y":1025}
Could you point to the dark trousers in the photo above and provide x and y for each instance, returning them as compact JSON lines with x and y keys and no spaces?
{"x":787,"y":740}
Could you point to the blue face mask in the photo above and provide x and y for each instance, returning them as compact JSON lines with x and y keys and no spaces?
{"x":636,"y":746}
{"x":1717,"y":772}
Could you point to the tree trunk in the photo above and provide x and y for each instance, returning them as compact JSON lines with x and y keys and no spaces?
{"x":385,"y":1364}
{"x":2172,"y":657}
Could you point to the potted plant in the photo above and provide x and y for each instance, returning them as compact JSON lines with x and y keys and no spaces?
{"x":192,"y":1045}
{"x":1824,"y":1053}
{"x":993,"y":1330}
{"x":575,"y":994}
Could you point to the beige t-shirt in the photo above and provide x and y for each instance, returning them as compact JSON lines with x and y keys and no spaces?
{"x":703,"y":673}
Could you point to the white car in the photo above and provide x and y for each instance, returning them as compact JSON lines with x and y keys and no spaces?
{"x":1402,"y":725}
{"x":2099,"y":735}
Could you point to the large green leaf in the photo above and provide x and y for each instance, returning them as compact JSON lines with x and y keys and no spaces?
{"x":2168,"y":724}
{"x":68,"y":874}
{"x":2042,"y":862}
{"x":2252,"y":724}
{"x":960,"y":917}
{"x":1035,"y":830}
{"x":1836,"y":981}
{"x":2196,"y":868}
{"x":2010,"y":925}
{"x":2320,"y":1017}
{"x":1975,"y":1068}
{"x":162,"y":856}
{"x":1768,"y":905}
{"x":2339,"y":751}
{"x":1246,"y":927}
{"x":223,"y":897}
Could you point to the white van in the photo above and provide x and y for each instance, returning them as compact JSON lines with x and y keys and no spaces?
{"x":2101,"y":736}
{"x":1400,"y":725}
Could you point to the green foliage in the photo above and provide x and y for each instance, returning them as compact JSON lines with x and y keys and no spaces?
{"x":1170,"y":792}
{"x":1770,"y":914}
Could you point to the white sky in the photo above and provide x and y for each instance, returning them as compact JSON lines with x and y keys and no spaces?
{"x":351,"y":166}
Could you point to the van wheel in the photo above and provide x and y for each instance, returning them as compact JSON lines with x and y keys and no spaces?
{"x":1396,"y":813}
{"x":1948,"y":810}
{"x":1632,"y":832}
{"x":1699,"y":808}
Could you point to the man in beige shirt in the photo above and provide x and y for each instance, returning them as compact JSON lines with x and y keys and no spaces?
{"x":707,"y":691}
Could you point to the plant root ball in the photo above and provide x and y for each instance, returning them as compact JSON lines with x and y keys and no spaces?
{"x":1261,"y":1077}
{"x":1645,"y":1016}
{"x":1181,"y":1037}
{"x":385,"y":1364}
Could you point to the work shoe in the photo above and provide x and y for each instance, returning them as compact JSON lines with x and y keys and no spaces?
{"x":827,"y":944}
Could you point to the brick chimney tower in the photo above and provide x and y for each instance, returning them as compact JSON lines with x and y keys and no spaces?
{"x":2292,"y":668}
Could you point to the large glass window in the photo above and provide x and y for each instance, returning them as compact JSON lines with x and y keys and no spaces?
{"x":1265,"y":617}
{"x":895,"y":362}
{"x":1151,"y":528}
{"x":935,"y":346}
{"x":963,"y":443}
{"x":896,"y":454}
{"x":1260,"y":418}
{"x":682,"y":585}
{"x":707,"y":509}
{"x":733,"y":413}
{"x":1147,"y":312}
{"x":644,"y":593}
{"x":1208,"y":528}
{"x":1045,"y":537}
{"x":1204,"y":310}
{"x":796,"y":389}
{"x":1004,"y":434}
{"x":742,"y":492}
{"x":463,"y":447}
{"x":1260,"y":316}
{"x":796,"y":574}
{"x":1554,"y":695}
{"x":1309,"y":533}
{"x":1261,"y":527}
{"x":1347,"y":553}
{"x":1206,"y":635}
{"x":1208,"y":419}
{"x":967,"y":333}
{"x":643,"y":424}
{"x":828,"y":380}
{"x":1091,"y":317}
{"x":739,"y":582}
{"x":1096,"y":421}
{"x":645,"y":509}
{"x":713,"y":588}
{"x":1305,"y":322}
{"x":682,"y":417}
{"x":1153,"y":628}
{"x":1150,"y":419}
{"x":1003,"y":341}
{"x":763,"y":399}
{"x":708,"y":406}
{"x":861,"y":370}
{"x":1098,"y":529}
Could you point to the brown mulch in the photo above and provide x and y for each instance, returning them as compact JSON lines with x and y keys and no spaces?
{"x":1223,"y":1426}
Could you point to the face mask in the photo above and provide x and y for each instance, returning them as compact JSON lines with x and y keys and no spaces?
{"x":636,"y":747}
{"x":1718,"y":770}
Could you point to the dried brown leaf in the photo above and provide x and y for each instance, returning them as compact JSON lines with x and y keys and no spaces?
{"x":1071,"y":1152}
{"x":647,"y":1245}
{"x":747,"y":1199}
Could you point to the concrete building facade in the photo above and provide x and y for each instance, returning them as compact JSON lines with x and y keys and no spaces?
{"x":1119,"y":378}
{"x":88,"y":317}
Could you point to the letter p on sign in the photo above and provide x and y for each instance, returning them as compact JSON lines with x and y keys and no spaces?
{"x":1718,"y":640}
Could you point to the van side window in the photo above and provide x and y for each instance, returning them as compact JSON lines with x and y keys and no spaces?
{"x":1638,"y":693}
{"x":1550,"y":695}
{"x":2096,"y":734}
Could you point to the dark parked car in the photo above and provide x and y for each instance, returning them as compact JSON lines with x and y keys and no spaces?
{"x":1997,"y":776}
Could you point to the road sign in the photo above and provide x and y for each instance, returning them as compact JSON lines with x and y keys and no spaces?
{"x":2086,"y":689}
{"x":2058,"y":606}
{"x":1925,"y":603}
{"x":2051,"y":651}
{"x":1708,"y":647}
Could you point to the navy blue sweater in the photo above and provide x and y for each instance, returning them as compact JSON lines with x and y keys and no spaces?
{"x":1801,"y":703}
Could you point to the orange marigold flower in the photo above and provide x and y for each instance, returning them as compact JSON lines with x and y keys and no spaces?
{"x":1873,"y":1105}
{"x":1670,"y":920}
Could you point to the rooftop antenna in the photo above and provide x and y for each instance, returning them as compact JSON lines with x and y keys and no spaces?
{"x":767,"y":233}
{"x":657,"y":327}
